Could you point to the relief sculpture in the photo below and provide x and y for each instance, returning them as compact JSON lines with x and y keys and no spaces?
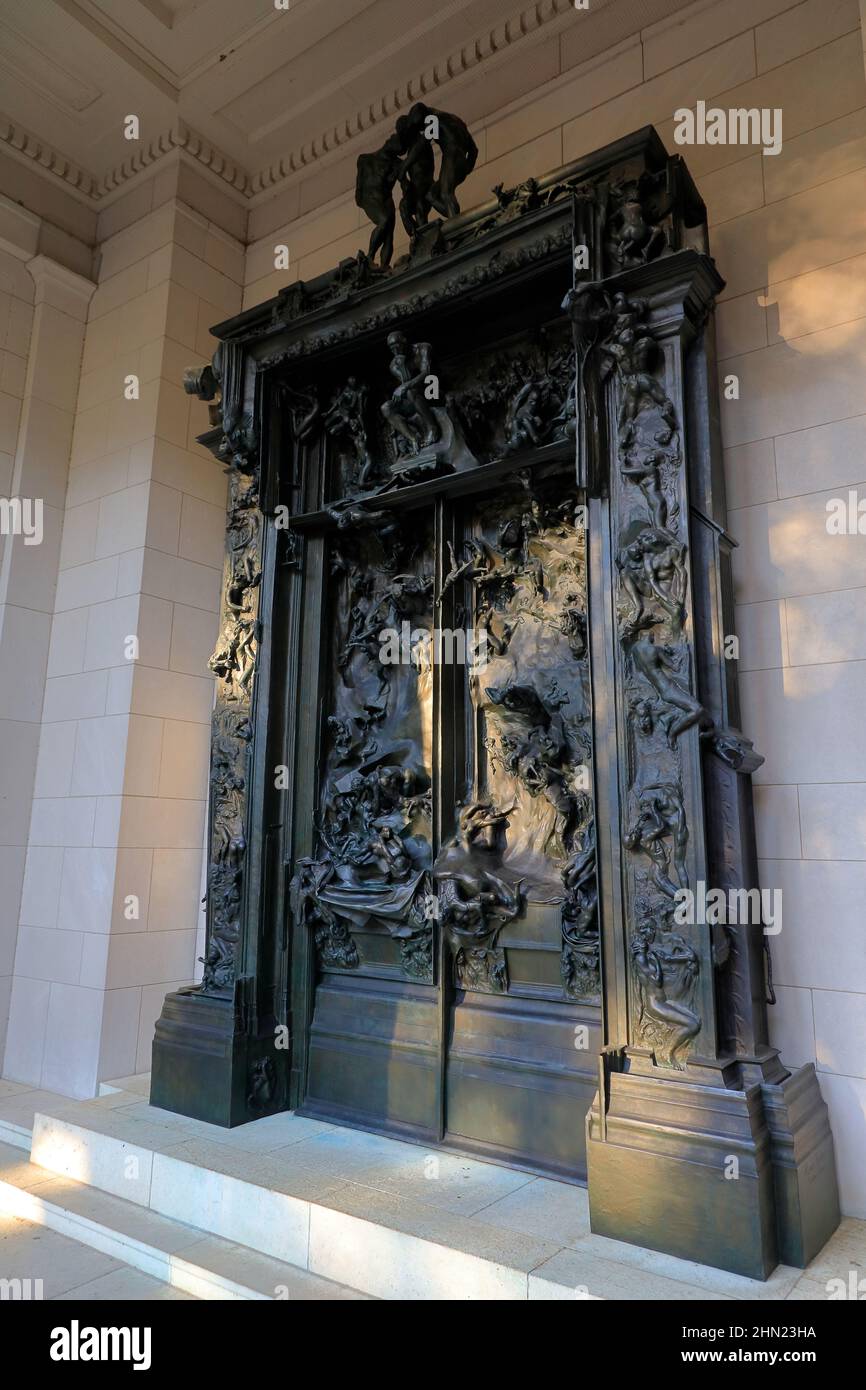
{"x":424,"y":435}
{"x":656,"y":660}
{"x":479,"y":846}
{"x":637,"y":209}
{"x":513,"y":401}
{"x":659,"y":831}
{"x":617,"y":349}
{"x":401,"y":423}
{"x":371,"y":875}
{"x":475,"y":899}
{"x":525,"y":844}
{"x":233,"y":662}
{"x":666,"y":969}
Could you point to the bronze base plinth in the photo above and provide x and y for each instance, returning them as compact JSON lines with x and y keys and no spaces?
{"x":206,"y":1067}
{"x":737,"y":1179}
{"x":804,"y":1166}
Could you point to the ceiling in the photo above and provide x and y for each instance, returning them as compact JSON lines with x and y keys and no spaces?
{"x":270,"y":89}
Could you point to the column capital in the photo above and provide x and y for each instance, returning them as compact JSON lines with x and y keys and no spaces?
{"x":60,"y":287}
{"x":19,"y":229}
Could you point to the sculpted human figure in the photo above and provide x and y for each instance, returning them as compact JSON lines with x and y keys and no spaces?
{"x":634,"y":230}
{"x":654,"y":959}
{"x":661,"y":816}
{"x":417,"y":173}
{"x":645,"y":474}
{"x":459,"y":153}
{"x":653,"y":566}
{"x":475,"y":902}
{"x":463,"y":863}
{"x":352,"y":517}
{"x":346,"y":407}
{"x":626,"y":312}
{"x":665,"y":571}
{"x":630,"y":565}
{"x":404,"y":596}
{"x":540,"y":773}
{"x":655,"y":666}
{"x":374,"y":184}
{"x":565,"y":423}
{"x":580,"y":954}
{"x":364,"y":629}
{"x":523,"y":424}
{"x":493,"y":628}
{"x":234,"y":658}
{"x":229,"y":819}
{"x":305,"y":410}
{"x":341,"y":733}
{"x":475,"y":567}
{"x":589,"y":308}
{"x":409,"y":412}
{"x":644,"y":712}
{"x":345,"y":416}
{"x":633,"y":353}
{"x":408,"y":156}
{"x":513,"y":542}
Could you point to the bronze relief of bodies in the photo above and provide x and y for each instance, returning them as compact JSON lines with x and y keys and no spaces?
{"x":371,"y":873}
{"x":522,"y":572}
{"x":652,"y":565}
{"x":666,"y":969}
{"x":234,"y":663}
{"x":408,"y":412}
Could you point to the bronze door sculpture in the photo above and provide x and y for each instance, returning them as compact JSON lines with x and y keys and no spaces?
{"x":476,"y":735}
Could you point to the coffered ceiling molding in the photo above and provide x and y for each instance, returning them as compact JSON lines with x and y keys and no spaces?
{"x":54,"y":81}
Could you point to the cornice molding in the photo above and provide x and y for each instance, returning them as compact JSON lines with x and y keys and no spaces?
{"x":179,"y":137}
{"x":182,"y":137}
{"x":28,"y":146}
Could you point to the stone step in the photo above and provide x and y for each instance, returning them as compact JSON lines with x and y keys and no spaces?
{"x":188,"y":1259}
{"x":14,"y":1136}
{"x":313,"y":1220}
{"x":18,"y":1105}
{"x":369,"y":1213}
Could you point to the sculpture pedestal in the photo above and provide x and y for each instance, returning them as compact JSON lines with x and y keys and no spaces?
{"x":207,"y":1067}
{"x":804,"y":1166}
{"x":448,"y":454}
{"x":738,"y":1179}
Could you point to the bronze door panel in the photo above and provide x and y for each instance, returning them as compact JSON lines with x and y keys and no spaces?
{"x":374,"y":1043}
{"x":516,"y":884}
{"x":495,"y":656}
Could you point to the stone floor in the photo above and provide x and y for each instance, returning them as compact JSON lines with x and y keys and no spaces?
{"x":534,"y":1227}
